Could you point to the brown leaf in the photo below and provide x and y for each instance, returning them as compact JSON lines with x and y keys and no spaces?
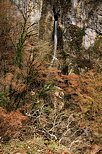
{"x":49,"y":152}
{"x":94,"y":149}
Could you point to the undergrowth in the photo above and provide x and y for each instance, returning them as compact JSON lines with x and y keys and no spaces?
{"x":74,"y":123}
{"x":33,"y":145}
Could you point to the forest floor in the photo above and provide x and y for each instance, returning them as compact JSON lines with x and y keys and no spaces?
{"x":32,"y":146}
{"x":39,"y":146}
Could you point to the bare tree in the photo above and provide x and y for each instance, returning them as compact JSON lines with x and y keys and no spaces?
{"x":30,"y":11}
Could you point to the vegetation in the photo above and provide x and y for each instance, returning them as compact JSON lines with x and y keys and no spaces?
{"x":43,"y":110}
{"x":76,"y":37}
{"x":35,"y":145}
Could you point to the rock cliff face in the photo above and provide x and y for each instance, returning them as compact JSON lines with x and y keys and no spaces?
{"x":30,"y":8}
{"x":79,"y":29}
{"x":81,"y":13}
{"x":88,"y":15}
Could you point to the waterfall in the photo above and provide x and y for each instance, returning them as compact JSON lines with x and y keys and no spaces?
{"x":55,"y":42}
{"x":54,"y":59}
{"x":55,"y":38}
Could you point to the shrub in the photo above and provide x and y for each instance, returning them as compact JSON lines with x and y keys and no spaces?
{"x":11,"y":124}
{"x":86,"y":91}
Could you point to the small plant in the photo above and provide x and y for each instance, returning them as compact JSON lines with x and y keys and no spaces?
{"x":4,"y":99}
{"x":77,"y":37}
{"x":45,"y":89}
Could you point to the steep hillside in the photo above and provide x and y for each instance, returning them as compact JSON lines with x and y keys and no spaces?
{"x":50,"y":76}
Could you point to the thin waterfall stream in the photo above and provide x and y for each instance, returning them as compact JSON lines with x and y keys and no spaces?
{"x":55,"y":39}
{"x":54,"y":59}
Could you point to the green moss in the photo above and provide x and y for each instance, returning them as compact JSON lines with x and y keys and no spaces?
{"x":97,"y":45}
{"x":80,"y":32}
{"x":3,"y":99}
{"x":77,"y":37}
